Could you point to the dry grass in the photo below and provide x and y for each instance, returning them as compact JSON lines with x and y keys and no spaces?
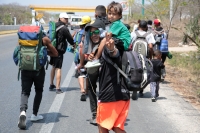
{"x":185,"y":82}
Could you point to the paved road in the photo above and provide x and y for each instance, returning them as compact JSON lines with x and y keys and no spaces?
{"x":65,"y":113}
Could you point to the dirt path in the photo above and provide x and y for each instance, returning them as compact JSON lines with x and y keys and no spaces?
{"x":185,"y":48}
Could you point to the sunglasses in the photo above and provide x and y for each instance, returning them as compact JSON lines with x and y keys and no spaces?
{"x":96,"y":32}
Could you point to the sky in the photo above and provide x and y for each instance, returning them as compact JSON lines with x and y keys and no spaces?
{"x":81,"y":3}
{"x":61,"y":2}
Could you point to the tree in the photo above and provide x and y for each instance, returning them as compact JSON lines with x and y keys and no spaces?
{"x":192,"y":31}
{"x":22,"y":14}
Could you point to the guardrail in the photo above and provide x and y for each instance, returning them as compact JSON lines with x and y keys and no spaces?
{"x":13,"y":27}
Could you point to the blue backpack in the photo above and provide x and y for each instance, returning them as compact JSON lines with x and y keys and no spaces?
{"x":164,"y":45}
{"x":161,"y":43}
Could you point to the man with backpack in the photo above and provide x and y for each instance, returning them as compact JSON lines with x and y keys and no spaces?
{"x":142,"y":42}
{"x":28,"y":77}
{"x":100,"y":22}
{"x":61,"y":45}
{"x":143,"y":39}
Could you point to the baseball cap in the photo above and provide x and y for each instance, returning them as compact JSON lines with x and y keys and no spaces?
{"x":63,"y":15}
{"x":85,"y":20}
{"x":157,"y":22}
{"x":97,"y":24}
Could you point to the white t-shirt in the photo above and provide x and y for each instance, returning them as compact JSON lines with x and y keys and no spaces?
{"x":135,"y":27}
{"x":150,"y":38}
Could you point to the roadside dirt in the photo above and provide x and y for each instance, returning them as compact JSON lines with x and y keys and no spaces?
{"x":179,"y":80}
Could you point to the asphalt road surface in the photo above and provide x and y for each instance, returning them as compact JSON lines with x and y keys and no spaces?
{"x":65,"y":113}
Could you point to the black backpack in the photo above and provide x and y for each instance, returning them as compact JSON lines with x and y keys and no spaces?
{"x":136,"y":70}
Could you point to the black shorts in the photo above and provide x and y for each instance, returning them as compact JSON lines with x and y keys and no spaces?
{"x":57,"y":61}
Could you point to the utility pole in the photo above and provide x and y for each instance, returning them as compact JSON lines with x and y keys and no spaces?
{"x":142,"y":7}
{"x":171,"y":9}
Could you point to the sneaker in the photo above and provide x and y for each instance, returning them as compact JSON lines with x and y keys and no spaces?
{"x":52,"y":87}
{"x":22,"y":120}
{"x":83,"y":97}
{"x":59,"y":91}
{"x":36,"y":118}
{"x":94,"y":63}
{"x":153,"y":99}
{"x":93,"y":121}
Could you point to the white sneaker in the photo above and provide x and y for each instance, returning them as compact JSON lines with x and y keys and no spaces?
{"x":93,"y":63}
{"x":153,"y":99}
{"x":36,"y":118}
{"x":22,"y":120}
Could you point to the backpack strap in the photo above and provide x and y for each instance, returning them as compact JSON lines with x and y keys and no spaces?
{"x":146,"y":34}
{"x":18,"y":74}
{"x":144,"y":81}
{"x":77,"y":36}
{"x":57,"y":29}
{"x":141,"y":36}
{"x":137,"y":34}
{"x":115,"y":65}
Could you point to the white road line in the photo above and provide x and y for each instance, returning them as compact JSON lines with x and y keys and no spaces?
{"x":55,"y":107}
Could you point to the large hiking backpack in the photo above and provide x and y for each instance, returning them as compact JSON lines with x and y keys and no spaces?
{"x":140,"y":44}
{"x":30,"y":54}
{"x":136,"y":70}
{"x":52,"y":32}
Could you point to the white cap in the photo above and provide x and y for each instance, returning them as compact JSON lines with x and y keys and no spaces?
{"x":63,"y":15}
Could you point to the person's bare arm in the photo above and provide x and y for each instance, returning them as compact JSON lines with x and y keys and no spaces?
{"x":100,"y":49}
{"x":82,"y":57}
{"x":74,"y":33}
{"x":51,"y":49}
{"x":150,"y":51}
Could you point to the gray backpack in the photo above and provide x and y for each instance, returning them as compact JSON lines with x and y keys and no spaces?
{"x":140,"y":44}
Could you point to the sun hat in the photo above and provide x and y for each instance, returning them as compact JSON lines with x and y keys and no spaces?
{"x":85,"y":20}
{"x":63,"y":15}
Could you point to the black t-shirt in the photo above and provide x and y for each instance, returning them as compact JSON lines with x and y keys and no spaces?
{"x":156,"y":73}
{"x":109,"y":89}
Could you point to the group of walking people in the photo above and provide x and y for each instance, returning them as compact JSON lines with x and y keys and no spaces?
{"x":105,"y":37}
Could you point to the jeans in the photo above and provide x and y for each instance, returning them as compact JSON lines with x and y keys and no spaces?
{"x":154,"y":88}
{"x":27,"y":80}
{"x":92,"y":92}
